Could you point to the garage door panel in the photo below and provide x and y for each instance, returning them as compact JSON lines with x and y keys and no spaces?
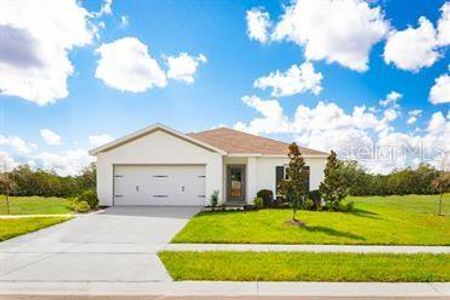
{"x":159,"y":185}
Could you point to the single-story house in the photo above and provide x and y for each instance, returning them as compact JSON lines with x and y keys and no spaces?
{"x":161,"y":166}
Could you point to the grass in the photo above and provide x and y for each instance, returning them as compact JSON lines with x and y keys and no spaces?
{"x":393,"y":220}
{"x":34,"y":205}
{"x":10,"y":228}
{"x":288,"y":266}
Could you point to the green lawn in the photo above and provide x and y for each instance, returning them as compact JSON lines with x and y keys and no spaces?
{"x":288,"y":266}
{"x":34,"y":205}
{"x":10,"y":228}
{"x":394,"y":220}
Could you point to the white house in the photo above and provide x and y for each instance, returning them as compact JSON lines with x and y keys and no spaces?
{"x":161,"y":166}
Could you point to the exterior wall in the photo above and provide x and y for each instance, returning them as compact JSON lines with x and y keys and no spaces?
{"x":158,"y":148}
{"x":265,"y":172}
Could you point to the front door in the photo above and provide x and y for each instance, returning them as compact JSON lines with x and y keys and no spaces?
{"x":236,"y":183}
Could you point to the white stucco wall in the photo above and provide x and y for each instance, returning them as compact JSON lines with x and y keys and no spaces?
{"x":266,"y":178}
{"x":159,"y":148}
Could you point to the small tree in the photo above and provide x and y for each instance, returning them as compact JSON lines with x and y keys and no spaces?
{"x":442,"y":183}
{"x":292,"y":187}
{"x":333,"y":188}
{"x":7,"y":185}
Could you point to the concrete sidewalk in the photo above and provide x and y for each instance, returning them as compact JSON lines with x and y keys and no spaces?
{"x":308,"y":248}
{"x":230,"y":289}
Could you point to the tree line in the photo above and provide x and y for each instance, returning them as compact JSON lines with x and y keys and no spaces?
{"x":420,"y":180}
{"x":24,"y":181}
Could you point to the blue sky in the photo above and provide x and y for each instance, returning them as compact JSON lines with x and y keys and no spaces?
{"x":225,"y":58}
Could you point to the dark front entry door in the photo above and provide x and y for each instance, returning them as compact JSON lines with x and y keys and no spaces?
{"x":236,"y":183}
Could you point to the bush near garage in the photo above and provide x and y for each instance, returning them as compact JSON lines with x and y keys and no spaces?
{"x":90,"y":197}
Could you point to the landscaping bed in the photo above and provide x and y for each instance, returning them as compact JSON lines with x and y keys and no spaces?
{"x":392,"y":220}
{"x":306,"y":266}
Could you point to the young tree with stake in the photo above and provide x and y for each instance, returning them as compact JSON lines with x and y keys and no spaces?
{"x":292,"y":187}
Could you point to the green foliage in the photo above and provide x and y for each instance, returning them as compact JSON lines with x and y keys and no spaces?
{"x":346,"y":207}
{"x":90,"y":197}
{"x":293,"y":188}
{"x":214,"y":199}
{"x":78,"y":206}
{"x":266,"y":196}
{"x":29,"y":182}
{"x":333,"y":188}
{"x":308,"y":204}
{"x":258,"y":202}
{"x":399,"y":182}
{"x":316,"y":198}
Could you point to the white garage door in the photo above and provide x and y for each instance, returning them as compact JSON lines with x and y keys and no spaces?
{"x":159,"y":185}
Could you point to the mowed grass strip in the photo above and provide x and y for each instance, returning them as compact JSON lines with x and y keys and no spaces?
{"x":34,"y":205}
{"x":393,"y":220}
{"x":10,"y":228}
{"x":306,"y":266}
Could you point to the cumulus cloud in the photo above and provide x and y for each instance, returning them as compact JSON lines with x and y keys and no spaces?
{"x":99,"y":140}
{"x":444,"y":25}
{"x":391,"y":99}
{"x":369,"y":136}
{"x":258,"y":25}
{"x":413,"y":48}
{"x":50,"y":137}
{"x":17,"y":144}
{"x":297,"y":79}
{"x":7,"y":162}
{"x":440,"y":91}
{"x":36,"y":38}
{"x":336,"y":31}
{"x":70,"y":162}
{"x":184,"y":66}
{"x":126,"y":65}
{"x":413,"y":116}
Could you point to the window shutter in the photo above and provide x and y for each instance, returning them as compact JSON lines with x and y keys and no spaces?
{"x":279,"y":175}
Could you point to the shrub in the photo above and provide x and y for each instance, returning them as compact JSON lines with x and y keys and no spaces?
{"x":214,"y":199}
{"x":346,"y":207}
{"x":258,"y":202}
{"x":79,"y":206}
{"x":308,"y":204}
{"x":266,"y":196}
{"x":90,"y":197}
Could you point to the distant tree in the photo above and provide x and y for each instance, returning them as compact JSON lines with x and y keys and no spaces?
{"x":334,"y":187}
{"x":7,"y":186}
{"x":293,"y":186}
{"x":442,"y":183}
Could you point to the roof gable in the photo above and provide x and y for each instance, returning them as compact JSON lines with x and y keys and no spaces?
{"x":148,"y":130}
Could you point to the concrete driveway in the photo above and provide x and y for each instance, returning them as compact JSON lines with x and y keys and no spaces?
{"x":117,"y":245}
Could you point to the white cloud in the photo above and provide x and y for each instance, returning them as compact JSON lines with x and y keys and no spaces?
{"x":412,"y":48}
{"x":106,"y":8}
{"x":7,"y":163}
{"x":124,"y":21}
{"x":99,"y":140}
{"x":297,"y":79}
{"x":391,"y":99}
{"x":70,"y":162}
{"x":336,"y":31}
{"x":440,"y":91}
{"x":273,"y":119}
{"x":17,"y":144}
{"x":126,"y":65}
{"x":50,"y":137}
{"x":413,"y":116}
{"x":36,"y":38}
{"x":444,"y":25}
{"x":370,"y":137}
{"x":184,"y":66}
{"x":258,"y":25}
